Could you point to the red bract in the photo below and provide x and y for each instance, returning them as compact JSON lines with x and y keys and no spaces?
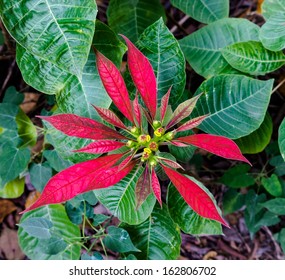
{"x":143,"y":142}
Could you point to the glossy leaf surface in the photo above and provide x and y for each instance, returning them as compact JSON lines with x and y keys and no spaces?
{"x":205,"y":11}
{"x":252,"y":58}
{"x":143,"y":76}
{"x":62,"y":227}
{"x":236,"y":105}
{"x":195,"y":196}
{"x":281,"y":138}
{"x":120,"y":200}
{"x":188,"y":220}
{"x":191,"y":124}
{"x":271,"y":7}
{"x":204,"y":55}
{"x":218,"y":145}
{"x":13,"y":189}
{"x":159,"y":45}
{"x":158,"y":237}
{"x":131,"y":18}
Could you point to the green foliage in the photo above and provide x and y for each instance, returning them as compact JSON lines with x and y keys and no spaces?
{"x":272,"y":185}
{"x":205,"y":56}
{"x":158,"y":237}
{"x":13,"y":189}
{"x":132,"y":17}
{"x":281,"y":138}
{"x":39,"y":175}
{"x":204,"y":11}
{"x":236,"y":104}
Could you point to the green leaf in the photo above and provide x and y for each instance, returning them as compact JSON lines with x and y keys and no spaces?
{"x":186,"y":218}
{"x":118,"y":240}
{"x":182,"y":154}
{"x":12,"y":96}
{"x":62,"y":229}
{"x":52,"y":246}
{"x":252,"y":58}
{"x":281,"y":239}
{"x":107,"y":42}
{"x":238,"y":177}
{"x":272,"y":185}
{"x":158,"y":237}
{"x":279,"y":164}
{"x":131,"y":17}
{"x":202,"y":49}
{"x":120,"y":199}
{"x":13,"y":161}
{"x":2,"y":41}
{"x":205,"y":11}
{"x":39,"y":175}
{"x":272,"y":33}
{"x":236,"y":105}
{"x":271,"y":7}
{"x":95,"y":256}
{"x":55,"y":160}
{"x":26,"y":129}
{"x":8,"y":113}
{"x":13,"y":189}
{"x":59,"y":33}
{"x":37,"y":227}
{"x":275,"y":205}
{"x":162,"y":49}
{"x":281,"y":138}
{"x":258,"y":140}
{"x":232,"y":201}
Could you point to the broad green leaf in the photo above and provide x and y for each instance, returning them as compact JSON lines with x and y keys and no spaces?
{"x":186,"y":218}
{"x":37,"y":227}
{"x":238,"y":177}
{"x":279,"y":164}
{"x":205,"y":11}
{"x":13,"y":189}
{"x":12,"y":96}
{"x":107,"y":42}
{"x":95,"y":256}
{"x":272,"y":185}
{"x":120,"y":200}
{"x":202,"y":49}
{"x":39,"y":175}
{"x":236,"y":105}
{"x":62,"y":228}
{"x":257,"y":141}
{"x":182,"y":154}
{"x":159,"y":45}
{"x":118,"y":240}
{"x":281,"y":239}
{"x":272,"y":33}
{"x":55,"y":161}
{"x":252,"y":58}
{"x":52,"y":246}
{"x":268,"y":219}
{"x":271,"y":7}
{"x":281,"y":138}
{"x":131,"y":17}
{"x":13,"y":161}
{"x":8,"y":113}
{"x":60,"y":33}
{"x":26,"y":129}
{"x":275,"y":205}
{"x":232,"y":201}
{"x":158,"y":237}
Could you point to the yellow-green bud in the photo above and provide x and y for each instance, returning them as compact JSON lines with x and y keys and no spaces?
{"x":153,"y":162}
{"x":169,"y":135}
{"x":135,"y":131}
{"x":143,"y":139}
{"x":153,"y":146}
{"x":130,"y":144}
{"x":156,"y":124}
{"x":159,"y":132}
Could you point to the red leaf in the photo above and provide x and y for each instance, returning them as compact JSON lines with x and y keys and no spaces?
{"x":178,"y":144}
{"x":218,"y":145}
{"x":143,"y":76}
{"x":164,"y":104}
{"x":137,"y":111}
{"x":156,"y":186}
{"x":183,"y":111}
{"x":109,"y":117}
{"x":74,"y":180}
{"x":143,"y":188}
{"x":171,"y":163}
{"x":100,"y":147}
{"x":194,"y":196}
{"x":126,"y":161}
{"x":114,"y":85}
{"x":191,"y":124}
{"x":73,"y":125}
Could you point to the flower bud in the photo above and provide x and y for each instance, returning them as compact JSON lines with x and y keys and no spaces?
{"x":135,"y":131}
{"x":156,"y":124}
{"x":159,"y":132}
{"x":143,"y":139}
{"x":153,"y":146}
{"x":169,"y":136}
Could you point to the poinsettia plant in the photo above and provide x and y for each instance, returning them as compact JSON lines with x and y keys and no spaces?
{"x":142,"y":144}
